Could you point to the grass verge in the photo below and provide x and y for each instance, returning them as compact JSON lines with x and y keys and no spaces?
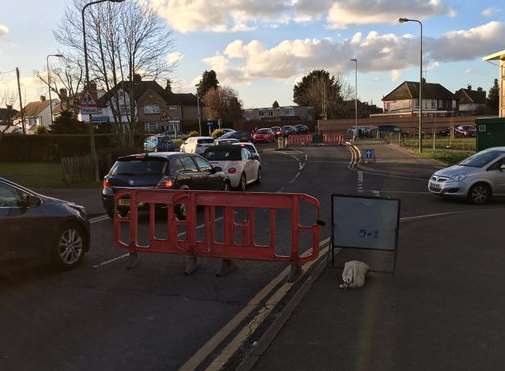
{"x":448,"y":157}
{"x":39,"y":175}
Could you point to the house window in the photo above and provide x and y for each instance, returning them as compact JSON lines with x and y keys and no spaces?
{"x":151,"y":127}
{"x":433,"y":104}
{"x":151,"y":109}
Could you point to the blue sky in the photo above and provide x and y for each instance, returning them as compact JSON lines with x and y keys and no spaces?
{"x":261,"y":48}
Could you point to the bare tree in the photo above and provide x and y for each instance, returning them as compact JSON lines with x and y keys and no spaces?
{"x":124,"y":40}
{"x":7,"y":99}
{"x":66,"y":83}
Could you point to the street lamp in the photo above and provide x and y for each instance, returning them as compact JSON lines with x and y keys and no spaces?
{"x":86,"y":68}
{"x":405,"y":20}
{"x":355,"y":60}
{"x":49,"y":83}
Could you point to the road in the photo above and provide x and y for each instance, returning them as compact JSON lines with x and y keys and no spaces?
{"x":101,"y":316}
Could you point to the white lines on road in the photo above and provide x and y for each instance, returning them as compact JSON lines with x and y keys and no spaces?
{"x":110,"y":261}
{"x":99,"y":219}
{"x":359,"y":186}
{"x":448,"y":213}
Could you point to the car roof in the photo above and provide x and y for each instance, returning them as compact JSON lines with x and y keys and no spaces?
{"x":222,"y":146}
{"x":164,"y":155}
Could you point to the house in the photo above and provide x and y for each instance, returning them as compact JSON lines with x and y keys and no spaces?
{"x":38,"y":113}
{"x":280,"y":114}
{"x":157,"y":109}
{"x":7,"y":116}
{"x":500,"y":56}
{"x":471,"y":102}
{"x":404,"y":100}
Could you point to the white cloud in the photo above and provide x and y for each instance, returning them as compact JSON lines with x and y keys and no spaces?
{"x":396,"y":75}
{"x":246,"y":15}
{"x":242,"y":62}
{"x":174,"y":57}
{"x":468,"y":44}
{"x":490,"y":12}
{"x":346,"y":12}
{"x":3,"y":30}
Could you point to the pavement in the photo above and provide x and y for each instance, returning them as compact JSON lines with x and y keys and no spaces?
{"x":441,"y":310}
{"x":100,"y":316}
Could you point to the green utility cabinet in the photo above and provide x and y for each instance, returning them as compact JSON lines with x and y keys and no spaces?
{"x":490,"y":132}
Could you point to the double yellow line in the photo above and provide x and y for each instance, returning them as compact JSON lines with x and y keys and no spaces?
{"x":356,"y":157}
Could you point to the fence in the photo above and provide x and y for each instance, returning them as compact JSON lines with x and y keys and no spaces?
{"x":182,"y":235}
{"x":302,"y":139}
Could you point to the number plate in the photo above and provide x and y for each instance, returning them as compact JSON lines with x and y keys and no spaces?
{"x":124,"y":202}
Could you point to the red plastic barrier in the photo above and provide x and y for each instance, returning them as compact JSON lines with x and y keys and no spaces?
{"x":208,"y":246}
{"x":333,"y":139}
{"x":302,"y":139}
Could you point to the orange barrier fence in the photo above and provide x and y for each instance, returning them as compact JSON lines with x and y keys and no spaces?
{"x":333,"y":139}
{"x":302,"y":139}
{"x":191,"y":242}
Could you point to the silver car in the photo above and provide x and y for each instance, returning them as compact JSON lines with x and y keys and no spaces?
{"x":476,"y":178}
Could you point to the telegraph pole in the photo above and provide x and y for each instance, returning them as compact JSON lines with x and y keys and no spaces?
{"x":21,"y":111}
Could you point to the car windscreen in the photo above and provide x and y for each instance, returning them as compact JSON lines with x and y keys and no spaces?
{"x":263,"y":131}
{"x":481,"y":159}
{"x":139,"y":167}
{"x":223,"y":154}
{"x":205,"y":141}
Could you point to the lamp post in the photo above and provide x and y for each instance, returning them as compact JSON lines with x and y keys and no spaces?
{"x":49,"y":83}
{"x":199,"y":114}
{"x":355,"y":60}
{"x":405,"y":20}
{"x":86,"y":69}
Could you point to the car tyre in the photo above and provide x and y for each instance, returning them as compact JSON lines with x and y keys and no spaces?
{"x":258,"y":179}
{"x":69,"y":247}
{"x":479,"y":194}
{"x":242,"y":187}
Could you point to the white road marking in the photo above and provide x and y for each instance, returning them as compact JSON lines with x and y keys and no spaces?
{"x":407,"y":192}
{"x":99,"y":219}
{"x":376,"y":193}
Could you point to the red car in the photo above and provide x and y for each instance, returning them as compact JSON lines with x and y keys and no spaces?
{"x":277,"y":131}
{"x":264,"y":135}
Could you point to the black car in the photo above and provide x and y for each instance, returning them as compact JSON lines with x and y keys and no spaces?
{"x":301,"y":129}
{"x":287,"y":130}
{"x":33,"y":226}
{"x":389,"y":129}
{"x":173,"y":170}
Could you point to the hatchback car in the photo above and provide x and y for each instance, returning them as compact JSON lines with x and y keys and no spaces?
{"x":288,"y":130}
{"x":239,"y":164}
{"x":159,"y":143}
{"x":33,"y":226}
{"x":196,"y":144}
{"x":241,"y":136}
{"x":277,"y":131}
{"x":265,"y":135}
{"x":301,"y":129}
{"x":476,"y":178}
{"x":171,"y":170}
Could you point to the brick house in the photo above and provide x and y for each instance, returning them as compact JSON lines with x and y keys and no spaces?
{"x":471,"y":102}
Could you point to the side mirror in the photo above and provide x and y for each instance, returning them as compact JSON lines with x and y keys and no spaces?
{"x":255,"y":157}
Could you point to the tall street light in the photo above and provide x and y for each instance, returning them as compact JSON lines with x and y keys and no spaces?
{"x":355,"y":60}
{"x":199,"y":111}
{"x":405,"y":20}
{"x":86,"y":68}
{"x":49,"y":83}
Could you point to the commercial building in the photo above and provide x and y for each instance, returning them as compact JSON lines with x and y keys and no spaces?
{"x":499,"y":57}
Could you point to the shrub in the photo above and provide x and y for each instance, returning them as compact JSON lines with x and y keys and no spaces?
{"x":178,"y":142}
{"x":193,"y":133}
{"x":217,"y":133}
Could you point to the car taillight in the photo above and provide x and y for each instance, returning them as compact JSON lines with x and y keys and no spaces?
{"x":165,"y":183}
{"x":106,"y":184}
{"x":232,"y":170}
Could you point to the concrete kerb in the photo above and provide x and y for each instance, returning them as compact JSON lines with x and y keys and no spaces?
{"x":244,"y":350}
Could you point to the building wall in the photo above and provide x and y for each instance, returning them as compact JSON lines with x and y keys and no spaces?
{"x":409,"y":105}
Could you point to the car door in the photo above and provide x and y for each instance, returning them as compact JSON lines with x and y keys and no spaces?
{"x":248,"y":164}
{"x":191,"y":173}
{"x":497,"y":176}
{"x":210,"y":179}
{"x":21,"y":225}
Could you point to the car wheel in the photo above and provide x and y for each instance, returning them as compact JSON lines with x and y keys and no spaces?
{"x":479,"y":194}
{"x":243,"y":183}
{"x":69,"y":247}
{"x":258,"y":179}
{"x":226,"y":186}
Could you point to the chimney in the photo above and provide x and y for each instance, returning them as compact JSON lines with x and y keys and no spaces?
{"x":469,"y":88}
{"x":479,"y":89}
{"x":42,"y":98}
{"x":137,"y":78}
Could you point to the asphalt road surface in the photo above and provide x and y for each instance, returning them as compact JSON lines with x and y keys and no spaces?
{"x":103,"y":317}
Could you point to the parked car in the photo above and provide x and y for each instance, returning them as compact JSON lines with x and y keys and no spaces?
{"x":159,"y":143}
{"x":444,"y":132}
{"x":33,"y":226}
{"x":386,"y":129}
{"x":239,"y":164}
{"x":288,"y":130}
{"x":264,"y":135}
{"x":173,"y":170}
{"x":241,"y":136}
{"x":476,"y":178}
{"x":301,"y":129}
{"x":219,"y":141}
{"x":277,"y":131}
{"x":196,"y":144}
{"x":465,"y":131}
{"x":227,"y":130}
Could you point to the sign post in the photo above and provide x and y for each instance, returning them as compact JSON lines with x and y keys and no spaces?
{"x":88,"y":107}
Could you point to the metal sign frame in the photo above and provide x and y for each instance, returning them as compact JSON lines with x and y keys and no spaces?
{"x":394,"y":251}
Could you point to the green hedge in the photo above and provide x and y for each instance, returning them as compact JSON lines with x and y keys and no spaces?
{"x":53,"y":147}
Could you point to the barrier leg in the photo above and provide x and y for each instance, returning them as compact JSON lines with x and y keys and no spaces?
{"x":294,"y":272}
{"x":133,"y":261}
{"x":227,"y":266}
{"x":191,"y":265}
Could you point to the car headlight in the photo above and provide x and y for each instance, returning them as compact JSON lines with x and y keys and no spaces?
{"x":458,"y":178}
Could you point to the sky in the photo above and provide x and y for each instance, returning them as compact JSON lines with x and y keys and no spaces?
{"x":262,"y":48}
